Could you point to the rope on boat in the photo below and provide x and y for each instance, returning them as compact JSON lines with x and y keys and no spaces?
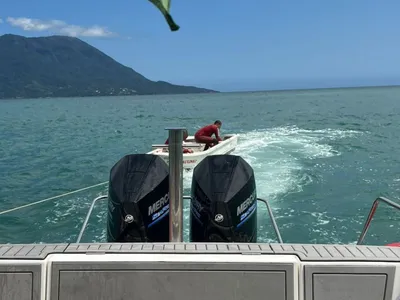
{"x":51,"y":198}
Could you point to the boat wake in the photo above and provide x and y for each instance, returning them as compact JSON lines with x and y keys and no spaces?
{"x":277,"y":156}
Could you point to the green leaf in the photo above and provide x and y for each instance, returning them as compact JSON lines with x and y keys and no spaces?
{"x":164,"y":7}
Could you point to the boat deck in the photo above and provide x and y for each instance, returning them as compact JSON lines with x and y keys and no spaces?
{"x":190,"y":143}
{"x":176,"y":271}
{"x":199,"y":271}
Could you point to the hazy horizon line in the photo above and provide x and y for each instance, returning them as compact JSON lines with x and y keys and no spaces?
{"x":314,"y":88}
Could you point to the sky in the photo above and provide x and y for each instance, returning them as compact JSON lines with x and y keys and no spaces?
{"x":231,"y":45}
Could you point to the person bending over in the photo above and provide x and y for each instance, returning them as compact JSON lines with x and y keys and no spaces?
{"x":204,"y":135}
{"x":185,"y":136}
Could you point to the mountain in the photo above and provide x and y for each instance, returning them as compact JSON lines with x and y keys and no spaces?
{"x":60,"y":66}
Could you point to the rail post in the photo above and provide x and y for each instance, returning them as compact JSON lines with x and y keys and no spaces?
{"x":175,"y":184}
{"x":371,"y":214}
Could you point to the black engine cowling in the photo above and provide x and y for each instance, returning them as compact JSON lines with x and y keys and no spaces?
{"x":224,"y":201}
{"x":138,"y":205}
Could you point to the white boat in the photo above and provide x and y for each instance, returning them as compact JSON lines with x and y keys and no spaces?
{"x":190,"y":160}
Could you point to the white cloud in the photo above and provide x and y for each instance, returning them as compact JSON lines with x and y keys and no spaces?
{"x":1,"y":21}
{"x":59,"y":27}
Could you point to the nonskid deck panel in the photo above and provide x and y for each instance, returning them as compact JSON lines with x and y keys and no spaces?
{"x":176,"y":271}
{"x":305,"y":252}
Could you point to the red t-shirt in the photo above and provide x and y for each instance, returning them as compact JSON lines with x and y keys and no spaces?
{"x":209,"y":130}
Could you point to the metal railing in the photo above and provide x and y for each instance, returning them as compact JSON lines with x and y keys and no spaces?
{"x":275,"y":226}
{"x":271,"y":215}
{"x":103,"y":197}
{"x":372,"y":213}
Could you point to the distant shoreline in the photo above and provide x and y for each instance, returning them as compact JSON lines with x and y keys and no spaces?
{"x":108,"y":96}
{"x":215,"y":92}
{"x":318,"y":88}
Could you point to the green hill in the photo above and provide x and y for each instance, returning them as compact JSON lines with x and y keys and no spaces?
{"x":60,"y":66}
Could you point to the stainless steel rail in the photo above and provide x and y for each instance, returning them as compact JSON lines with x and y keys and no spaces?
{"x":372,"y":213}
{"x":271,"y":216}
{"x":103,"y":197}
{"x":175,"y":184}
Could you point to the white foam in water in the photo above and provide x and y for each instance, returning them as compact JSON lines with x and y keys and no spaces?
{"x":276,"y":155}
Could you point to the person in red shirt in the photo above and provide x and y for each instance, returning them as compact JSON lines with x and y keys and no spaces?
{"x":204,"y":135}
{"x":185,"y":136}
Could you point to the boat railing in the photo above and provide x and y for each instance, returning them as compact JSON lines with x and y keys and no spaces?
{"x":186,"y":145}
{"x":371,"y":214}
{"x":104,"y":197}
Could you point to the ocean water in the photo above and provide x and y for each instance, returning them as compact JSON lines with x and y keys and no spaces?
{"x":320,"y":157}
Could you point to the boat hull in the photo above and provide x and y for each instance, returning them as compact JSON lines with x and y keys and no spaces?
{"x":190,"y":160}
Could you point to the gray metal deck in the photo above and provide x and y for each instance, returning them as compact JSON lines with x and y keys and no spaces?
{"x":305,"y":252}
{"x":172,"y":271}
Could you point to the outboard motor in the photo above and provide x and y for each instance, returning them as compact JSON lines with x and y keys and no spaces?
{"x":224,"y":201}
{"x":138,"y":205}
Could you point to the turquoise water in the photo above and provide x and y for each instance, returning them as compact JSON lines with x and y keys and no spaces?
{"x":320,"y":156}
